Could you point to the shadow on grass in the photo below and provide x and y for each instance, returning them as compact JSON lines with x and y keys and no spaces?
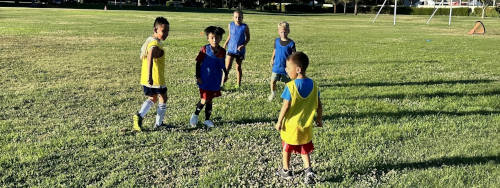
{"x":252,"y":120}
{"x":432,"y":82}
{"x":168,"y":128}
{"x":399,"y":114}
{"x":434,"y":163}
{"x":405,"y":113}
{"x":429,"y":95}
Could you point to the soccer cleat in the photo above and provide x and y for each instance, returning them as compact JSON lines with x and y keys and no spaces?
{"x":285,"y":174}
{"x":271,"y":97}
{"x":137,"y":122}
{"x":156,"y":126}
{"x":209,"y":123}
{"x":310,"y":177}
{"x":194,"y":120}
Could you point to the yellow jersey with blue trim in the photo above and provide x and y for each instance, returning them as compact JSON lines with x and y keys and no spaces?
{"x":299,"y":118}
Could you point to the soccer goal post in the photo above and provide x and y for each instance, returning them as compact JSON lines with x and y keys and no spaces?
{"x":380,"y":10}
{"x":435,"y":10}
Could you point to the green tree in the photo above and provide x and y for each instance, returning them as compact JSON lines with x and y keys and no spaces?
{"x":345,"y":5}
{"x":334,"y":3}
{"x":356,"y":6}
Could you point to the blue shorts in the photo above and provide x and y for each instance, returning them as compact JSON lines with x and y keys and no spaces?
{"x":149,"y":91}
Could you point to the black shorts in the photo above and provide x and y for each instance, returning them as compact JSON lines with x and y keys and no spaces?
{"x":236,"y":56}
{"x":148,"y":91}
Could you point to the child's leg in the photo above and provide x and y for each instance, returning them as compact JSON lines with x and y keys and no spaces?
{"x":162,"y":108}
{"x":273,"y":86}
{"x":286,"y":159}
{"x":199,"y":106}
{"x":208,"y":109}
{"x":306,"y":160}
{"x":238,"y":69}
{"x":147,"y":105}
{"x":273,"y":89}
{"x":229,"y":64}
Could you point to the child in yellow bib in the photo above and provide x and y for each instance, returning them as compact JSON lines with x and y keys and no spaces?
{"x":152,"y":74}
{"x":301,"y":103}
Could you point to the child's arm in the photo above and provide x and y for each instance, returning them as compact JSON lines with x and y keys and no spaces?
{"x":198,"y":70}
{"x":272,"y":57}
{"x":225,"y":72}
{"x":154,"y":50}
{"x":319,"y":114}
{"x":199,"y":61}
{"x":247,"y":38}
{"x":228,"y":36}
{"x":284,"y":109}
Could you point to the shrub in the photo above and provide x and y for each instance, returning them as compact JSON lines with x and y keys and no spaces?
{"x":489,"y":12}
{"x":270,"y":7}
{"x":298,"y":8}
{"x":441,"y":11}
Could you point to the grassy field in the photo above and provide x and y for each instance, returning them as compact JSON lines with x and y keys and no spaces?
{"x":407,"y":105}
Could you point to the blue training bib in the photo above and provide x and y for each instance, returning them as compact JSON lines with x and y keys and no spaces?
{"x":281,"y":53}
{"x":237,"y":38}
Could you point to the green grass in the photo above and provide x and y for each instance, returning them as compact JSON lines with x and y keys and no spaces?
{"x":398,"y":110}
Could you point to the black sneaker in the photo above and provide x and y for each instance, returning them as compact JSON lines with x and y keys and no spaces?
{"x":285,"y":174}
{"x":156,"y":126}
{"x":310,"y":177}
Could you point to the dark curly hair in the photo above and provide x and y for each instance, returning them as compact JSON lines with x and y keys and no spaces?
{"x":218,"y":31}
{"x":160,"y":20}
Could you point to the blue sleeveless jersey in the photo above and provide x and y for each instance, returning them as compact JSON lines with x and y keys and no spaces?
{"x":281,"y":53}
{"x":237,"y":38}
{"x":211,"y":70}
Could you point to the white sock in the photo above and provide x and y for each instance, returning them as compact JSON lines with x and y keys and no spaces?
{"x":160,"y":113}
{"x":145,"y":107}
{"x":273,"y":93}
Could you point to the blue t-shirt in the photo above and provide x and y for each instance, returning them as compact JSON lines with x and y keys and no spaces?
{"x":304,"y":86}
{"x":211,"y":68}
{"x":238,"y":38}
{"x":280,"y":55}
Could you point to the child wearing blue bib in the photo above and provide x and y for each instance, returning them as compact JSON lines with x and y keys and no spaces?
{"x":209,"y":69}
{"x":283,"y":47}
{"x":238,"y":38}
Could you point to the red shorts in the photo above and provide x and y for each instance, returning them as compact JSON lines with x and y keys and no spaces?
{"x":209,"y":95}
{"x":301,"y":149}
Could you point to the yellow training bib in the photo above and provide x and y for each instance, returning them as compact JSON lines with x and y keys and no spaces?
{"x":298,"y":121}
{"x":157,"y":69}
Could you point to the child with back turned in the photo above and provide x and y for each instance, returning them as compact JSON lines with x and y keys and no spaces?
{"x":152,"y":74}
{"x":301,"y":103}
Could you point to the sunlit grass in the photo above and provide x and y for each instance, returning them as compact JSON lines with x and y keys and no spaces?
{"x":405,"y":105}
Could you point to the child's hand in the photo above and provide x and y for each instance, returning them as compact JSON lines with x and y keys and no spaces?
{"x":278,"y":126}
{"x":271,"y":63}
{"x":240,"y":47}
{"x":319,"y":123}
{"x":198,"y":80}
